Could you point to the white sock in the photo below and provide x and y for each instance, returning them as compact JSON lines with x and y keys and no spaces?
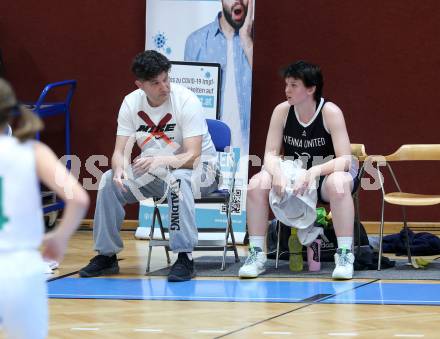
{"x":190,"y":256}
{"x":345,"y":242}
{"x":257,"y":241}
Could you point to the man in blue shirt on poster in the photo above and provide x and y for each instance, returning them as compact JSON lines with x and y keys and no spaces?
{"x":228,"y":41}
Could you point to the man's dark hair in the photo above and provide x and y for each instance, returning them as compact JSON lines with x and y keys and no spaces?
{"x":149,"y":64}
{"x":308,"y":73}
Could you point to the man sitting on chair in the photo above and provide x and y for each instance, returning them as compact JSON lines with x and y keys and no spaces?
{"x":178,"y":160}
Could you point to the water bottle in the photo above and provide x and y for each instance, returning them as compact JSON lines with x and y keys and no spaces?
{"x":295,"y":250}
{"x":314,"y":256}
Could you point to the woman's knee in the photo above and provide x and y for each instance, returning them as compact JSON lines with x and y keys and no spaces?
{"x":259,"y":186}
{"x":338,"y":185}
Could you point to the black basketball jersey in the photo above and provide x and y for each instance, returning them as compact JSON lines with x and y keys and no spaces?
{"x":309,"y":142}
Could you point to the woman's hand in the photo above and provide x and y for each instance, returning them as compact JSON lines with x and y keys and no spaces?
{"x":279,"y":183}
{"x":54,"y":245}
{"x":305,"y":181}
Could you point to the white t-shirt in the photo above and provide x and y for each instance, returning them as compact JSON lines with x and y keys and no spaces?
{"x":21,"y":216}
{"x":161,"y":130}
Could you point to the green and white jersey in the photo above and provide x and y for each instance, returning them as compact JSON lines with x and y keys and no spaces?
{"x":21,"y":217}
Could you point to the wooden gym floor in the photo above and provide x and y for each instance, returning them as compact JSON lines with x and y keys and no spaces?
{"x":132,"y":305}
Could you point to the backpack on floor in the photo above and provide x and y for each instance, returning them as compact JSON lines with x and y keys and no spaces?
{"x":328,"y":246}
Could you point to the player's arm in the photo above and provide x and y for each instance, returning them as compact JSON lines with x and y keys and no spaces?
{"x":273,"y":147}
{"x":54,"y":175}
{"x":335,"y":122}
{"x":121,"y":159}
{"x":246,"y":33}
{"x":125,"y":139}
{"x":274,"y":138}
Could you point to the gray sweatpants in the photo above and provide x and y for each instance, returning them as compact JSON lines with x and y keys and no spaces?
{"x":181,"y":186}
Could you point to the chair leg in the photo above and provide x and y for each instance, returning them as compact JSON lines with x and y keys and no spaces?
{"x":277,"y":255}
{"x":224,"y":259}
{"x":231,"y":231}
{"x":225,"y":248}
{"x":379,"y":261}
{"x":405,"y":226}
{"x":357,"y":219}
{"x":408,"y":249}
{"x":162,"y":231}
{"x":237,"y":258}
{"x":150,"y":248}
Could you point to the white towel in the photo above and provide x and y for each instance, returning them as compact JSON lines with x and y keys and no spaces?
{"x":308,"y":235}
{"x":293,"y":210}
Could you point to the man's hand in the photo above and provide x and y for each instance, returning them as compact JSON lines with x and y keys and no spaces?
{"x":142,"y":165}
{"x":118,"y":175}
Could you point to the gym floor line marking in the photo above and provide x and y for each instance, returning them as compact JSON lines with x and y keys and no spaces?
{"x":212,"y":331}
{"x":62,"y":276}
{"x":343,"y":334}
{"x":262,"y":321}
{"x":85,"y":329}
{"x":294,"y":310}
{"x":150,"y":330}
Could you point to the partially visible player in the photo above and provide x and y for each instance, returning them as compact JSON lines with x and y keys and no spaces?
{"x":23,"y":163}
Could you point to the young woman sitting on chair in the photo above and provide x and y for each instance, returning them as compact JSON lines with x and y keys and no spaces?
{"x":308,"y":127}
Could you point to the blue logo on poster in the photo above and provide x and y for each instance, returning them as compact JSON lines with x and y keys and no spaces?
{"x":207,"y":100}
{"x":160,"y":41}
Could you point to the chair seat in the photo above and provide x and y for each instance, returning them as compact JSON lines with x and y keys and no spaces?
{"x":219,"y":196}
{"x":410,"y":199}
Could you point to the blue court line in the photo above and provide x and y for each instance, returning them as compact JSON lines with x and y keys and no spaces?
{"x":346,"y":292}
{"x":194,"y":290}
{"x":390,"y":294}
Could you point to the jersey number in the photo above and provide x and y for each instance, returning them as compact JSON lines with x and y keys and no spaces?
{"x":3,"y":218}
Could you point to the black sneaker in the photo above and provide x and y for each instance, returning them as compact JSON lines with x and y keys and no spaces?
{"x":182,"y":270}
{"x":100,"y":265}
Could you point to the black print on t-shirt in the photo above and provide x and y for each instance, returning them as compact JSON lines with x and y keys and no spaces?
{"x":156,"y":131}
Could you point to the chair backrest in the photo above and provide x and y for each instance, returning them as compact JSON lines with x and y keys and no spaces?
{"x":220,"y":134}
{"x":415,"y":152}
{"x":358,"y":150}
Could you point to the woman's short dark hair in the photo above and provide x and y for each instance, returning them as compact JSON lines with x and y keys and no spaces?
{"x":310,"y":75}
{"x":149,"y":64}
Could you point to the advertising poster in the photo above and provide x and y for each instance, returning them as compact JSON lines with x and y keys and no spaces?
{"x":197,"y":36}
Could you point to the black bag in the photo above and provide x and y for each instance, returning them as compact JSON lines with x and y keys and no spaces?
{"x":328,"y":246}
{"x":422,"y":243}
